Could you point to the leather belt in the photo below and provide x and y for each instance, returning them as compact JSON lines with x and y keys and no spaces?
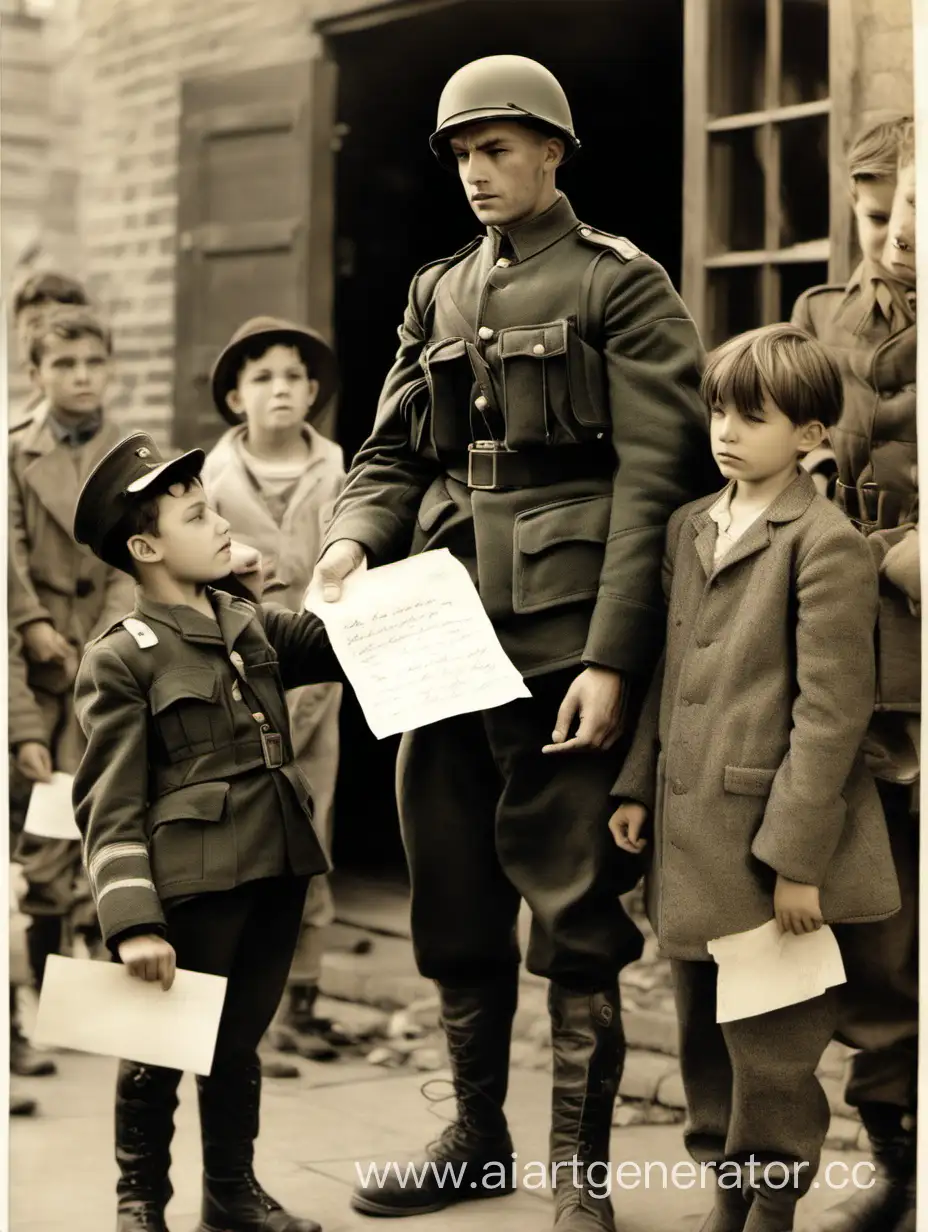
{"x":492,"y":467}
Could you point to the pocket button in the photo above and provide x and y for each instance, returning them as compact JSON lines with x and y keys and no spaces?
{"x":485,"y":333}
{"x":538,"y":349}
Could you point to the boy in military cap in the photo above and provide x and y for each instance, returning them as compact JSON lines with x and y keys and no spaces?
{"x":196,"y":823}
{"x":869,"y":328}
{"x":59,"y":597}
{"x":275,"y":479}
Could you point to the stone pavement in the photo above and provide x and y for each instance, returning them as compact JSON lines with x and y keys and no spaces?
{"x":62,"y":1173}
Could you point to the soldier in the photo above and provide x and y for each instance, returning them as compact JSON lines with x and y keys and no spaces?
{"x":869,"y":327}
{"x":542,"y":421}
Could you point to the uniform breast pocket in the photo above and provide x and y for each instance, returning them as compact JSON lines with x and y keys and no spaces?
{"x":558,"y":552}
{"x":188,"y":712}
{"x":554,"y":385}
{"x":450,"y":385}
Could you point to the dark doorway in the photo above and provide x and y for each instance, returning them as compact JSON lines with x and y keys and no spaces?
{"x":621,"y":65}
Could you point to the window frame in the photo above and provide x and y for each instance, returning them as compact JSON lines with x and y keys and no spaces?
{"x":699,"y":126}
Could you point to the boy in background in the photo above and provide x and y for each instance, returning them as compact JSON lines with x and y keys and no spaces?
{"x":275,"y":479}
{"x":59,"y":597}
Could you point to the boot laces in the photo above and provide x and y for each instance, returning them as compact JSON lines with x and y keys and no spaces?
{"x":466,"y":1124}
{"x":263,"y":1198}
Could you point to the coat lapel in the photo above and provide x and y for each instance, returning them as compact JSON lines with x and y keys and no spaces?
{"x":51,"y":472}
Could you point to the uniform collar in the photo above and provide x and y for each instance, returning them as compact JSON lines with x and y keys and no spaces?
{"x":874,"y":297}
{"x":233,"y":616}
{"x":75,"y":434}
{"x":535,"y":234}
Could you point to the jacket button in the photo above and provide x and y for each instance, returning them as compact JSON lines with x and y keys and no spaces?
{"x":585,"y":231}
{"x":538,"y":349}
{"x":259,"y":717}
{"x":485,"y":333}
{"x":481,"y":403}
{"x":678,"y":789}
{"x":503,"y":262}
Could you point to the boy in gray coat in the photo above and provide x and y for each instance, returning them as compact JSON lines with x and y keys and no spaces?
{"x":748,"y":757}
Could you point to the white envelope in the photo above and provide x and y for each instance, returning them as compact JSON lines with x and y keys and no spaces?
{"x":98,"y":1007}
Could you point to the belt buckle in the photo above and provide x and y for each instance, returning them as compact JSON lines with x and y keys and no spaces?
{"x":484,"y":449}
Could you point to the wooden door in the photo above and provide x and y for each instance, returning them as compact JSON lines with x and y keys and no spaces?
{"x":255,"y":219}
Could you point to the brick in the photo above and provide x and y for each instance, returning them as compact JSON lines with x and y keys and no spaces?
{"x":643,"y":1074}
{"x":670,"y":1091}
{"x":651,"y":1030}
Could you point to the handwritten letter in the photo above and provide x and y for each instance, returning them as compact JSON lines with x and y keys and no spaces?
{"x":416,"y":644}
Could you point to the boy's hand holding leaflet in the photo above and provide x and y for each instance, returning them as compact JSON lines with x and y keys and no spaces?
{"x":797,"y":907}
{"x":150,"y":958}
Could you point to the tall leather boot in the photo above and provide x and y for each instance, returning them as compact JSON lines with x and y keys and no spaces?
{"x":146,"y":1099}
{"x":24,"y":1060}
{"x":478,"y":1028}
{"x":888,"y":1205}
{"x":233,"y":1201}
{"x":588,"y":1044}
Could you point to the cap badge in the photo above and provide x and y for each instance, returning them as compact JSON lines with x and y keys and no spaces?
{"x":144,"y":452}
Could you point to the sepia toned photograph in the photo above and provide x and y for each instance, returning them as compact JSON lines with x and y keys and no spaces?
{"x":463,"y":614}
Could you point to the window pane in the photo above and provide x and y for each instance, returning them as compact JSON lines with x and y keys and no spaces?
{"x":734,"y":303}
{"x":804,"y":180}
{"x":805,"y":51}
{"x":737,"y":41}
{"x":736,"y":191}
{"x":794,"y":279}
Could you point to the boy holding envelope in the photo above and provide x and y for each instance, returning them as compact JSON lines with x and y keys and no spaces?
{"x":196,"y":823}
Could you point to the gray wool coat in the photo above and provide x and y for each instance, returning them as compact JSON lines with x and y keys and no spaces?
{"x":747,"y":753}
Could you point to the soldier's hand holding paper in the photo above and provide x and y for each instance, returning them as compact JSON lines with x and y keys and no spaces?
{"x":416,"y":643}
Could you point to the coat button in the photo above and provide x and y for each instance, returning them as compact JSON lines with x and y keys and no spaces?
{"x":481,"y":403}
{"x":678,"y":789}
{"x":585,"y":231}
{"x":259,"y":717}
{"x":504,"y":262}
{"x":538,"y":349}
{"x":485,"y":333}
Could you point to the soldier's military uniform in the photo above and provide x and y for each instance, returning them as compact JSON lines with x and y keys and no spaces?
{"x":196,"y":825}
{"x":541,"y":421}
{"x":869,"y":328}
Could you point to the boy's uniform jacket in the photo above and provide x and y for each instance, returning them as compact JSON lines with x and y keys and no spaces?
{"x":869,"y":329}
{"x":178,"y":792}
{"x":753,"y":766}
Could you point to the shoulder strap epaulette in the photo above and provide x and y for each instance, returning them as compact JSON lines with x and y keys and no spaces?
{"x":828,"y":288}
{"x":624,"y":249}
{"x":427,"y":278}
{"x":110,"y":629}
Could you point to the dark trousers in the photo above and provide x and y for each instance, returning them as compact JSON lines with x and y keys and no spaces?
{"x":487,"y":820}
{"x":750,"y":1085}
{"x":879,"y":1002}
{"x":248,"y":935}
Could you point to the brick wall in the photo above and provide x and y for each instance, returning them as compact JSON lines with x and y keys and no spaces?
{"x":884,"y":76}
{"x":135,"y":55}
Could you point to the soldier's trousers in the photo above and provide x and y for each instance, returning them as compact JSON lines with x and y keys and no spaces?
{"x":750,"y":1085}
{"x":879,"y":1002}
{"x":488,"y":819}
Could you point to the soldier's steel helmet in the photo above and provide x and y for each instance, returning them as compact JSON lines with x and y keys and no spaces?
{"x":502,"y":88}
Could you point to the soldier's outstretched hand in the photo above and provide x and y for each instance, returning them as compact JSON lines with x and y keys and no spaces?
{"x":594,"y":701}
{"x":149,"y":958}
{"x":337,"y":561}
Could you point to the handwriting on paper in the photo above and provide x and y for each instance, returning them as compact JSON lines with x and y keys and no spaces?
{"x":417,"y":645}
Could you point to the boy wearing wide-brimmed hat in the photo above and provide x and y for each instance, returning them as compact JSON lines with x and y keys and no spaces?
{"x":274,"y":477}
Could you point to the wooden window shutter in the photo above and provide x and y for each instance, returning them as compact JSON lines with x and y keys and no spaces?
{"x":255,"y":219}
